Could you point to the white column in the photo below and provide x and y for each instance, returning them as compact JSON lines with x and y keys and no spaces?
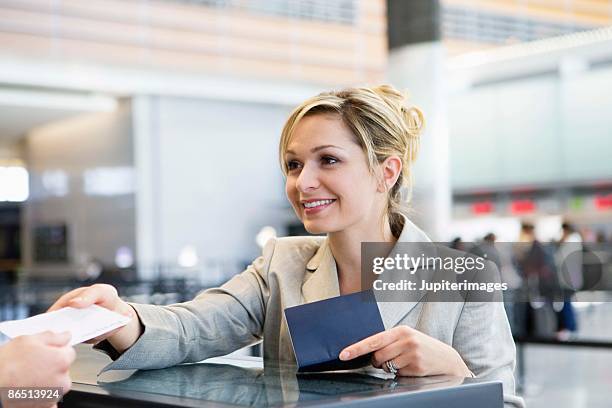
{"x":420,"y":70}
{"x":146,"y":165}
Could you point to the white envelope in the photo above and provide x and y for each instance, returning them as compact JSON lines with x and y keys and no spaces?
{"x":83,"y":324}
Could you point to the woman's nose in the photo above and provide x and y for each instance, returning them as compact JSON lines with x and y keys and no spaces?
{"x":308,"y":179}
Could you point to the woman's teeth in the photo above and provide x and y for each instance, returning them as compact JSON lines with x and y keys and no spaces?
{"x":317,"y":203}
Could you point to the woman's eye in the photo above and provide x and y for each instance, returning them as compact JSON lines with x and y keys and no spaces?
{"x":329,"y":160}
{"x":292,"y":165}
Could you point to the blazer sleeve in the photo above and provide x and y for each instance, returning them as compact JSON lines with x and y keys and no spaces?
{"x":484,"y":341}
{"x":216,"y":322}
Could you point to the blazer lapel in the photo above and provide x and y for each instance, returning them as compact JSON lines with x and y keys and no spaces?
{"x":392,"y":312}
{"x":321,"y":277}
{"x":321,"y":280}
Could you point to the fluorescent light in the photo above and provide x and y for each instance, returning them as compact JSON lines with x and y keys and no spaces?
{"x":14,"y":184}
{"x":55,"y":182}
{"x":108,"y":181}
{"x":188,"y":257}
{"x":124,"y":258}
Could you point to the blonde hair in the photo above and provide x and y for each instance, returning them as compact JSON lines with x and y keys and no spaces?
{"x":383,"y":126}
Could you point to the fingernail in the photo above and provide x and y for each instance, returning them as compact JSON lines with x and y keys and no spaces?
{"x":76,"y":300}
{"x":345,"y":355}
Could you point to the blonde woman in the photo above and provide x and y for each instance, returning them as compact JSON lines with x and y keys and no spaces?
{"x":346,"y":156}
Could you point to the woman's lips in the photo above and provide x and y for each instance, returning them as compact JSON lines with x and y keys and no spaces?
{"x":318,"y":208}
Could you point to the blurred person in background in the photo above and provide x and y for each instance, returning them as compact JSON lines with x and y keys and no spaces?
{"x":600,"y":238}
{"x":347,"y":157}
{"x":569,"y":260}
{"x":458,"y":244}
{"x":501,"y":256}
{"x":536,"y":267}
{"x":487,"y":249}
{"x":40,"y":360}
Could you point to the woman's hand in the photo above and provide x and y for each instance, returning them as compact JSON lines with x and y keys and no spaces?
{"x":414,"y":353}
{"x":105,"y":296}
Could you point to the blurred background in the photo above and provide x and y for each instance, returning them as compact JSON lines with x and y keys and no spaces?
{"x":138,"y":145}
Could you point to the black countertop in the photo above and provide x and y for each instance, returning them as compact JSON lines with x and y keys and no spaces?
{"x":244,"y":381}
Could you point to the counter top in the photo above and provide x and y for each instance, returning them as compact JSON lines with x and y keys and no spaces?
{"x":246,"y":381}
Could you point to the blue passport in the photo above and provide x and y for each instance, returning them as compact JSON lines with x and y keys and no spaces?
{"x":321,"y":330}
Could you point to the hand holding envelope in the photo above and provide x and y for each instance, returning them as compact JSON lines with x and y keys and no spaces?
{"x":40,"y":360}
{"x":82,"y":324}
{"x":40,"y":353}
{"x":105,"y":296}
{"x":91,"y":314}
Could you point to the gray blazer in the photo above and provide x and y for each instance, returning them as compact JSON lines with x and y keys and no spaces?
{"x":297,"y":270}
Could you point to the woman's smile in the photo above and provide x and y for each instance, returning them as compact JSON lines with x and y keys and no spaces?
{"x":315,"y":206}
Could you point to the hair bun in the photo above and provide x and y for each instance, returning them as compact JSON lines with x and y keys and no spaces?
{"x":412,"y":116}
{"x":390,"y":95}
{"x":415,"y":121}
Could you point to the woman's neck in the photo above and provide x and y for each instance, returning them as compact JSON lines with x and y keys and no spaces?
{"x":346,"y":248}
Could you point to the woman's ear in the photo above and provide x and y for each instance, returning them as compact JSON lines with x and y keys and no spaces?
{"x":391,"y":169}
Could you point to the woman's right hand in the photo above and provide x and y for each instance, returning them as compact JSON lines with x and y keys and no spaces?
{"x":105,"y":296}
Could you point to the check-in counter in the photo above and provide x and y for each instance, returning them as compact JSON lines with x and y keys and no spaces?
{"x":246,"y":381}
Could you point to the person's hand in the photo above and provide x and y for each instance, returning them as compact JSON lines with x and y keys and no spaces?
{"x":105,"y":296}
{"x":40,"y":360}
{"x":413,"y":353}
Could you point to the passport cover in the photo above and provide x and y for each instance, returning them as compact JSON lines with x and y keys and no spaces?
{"x":321,"y":330}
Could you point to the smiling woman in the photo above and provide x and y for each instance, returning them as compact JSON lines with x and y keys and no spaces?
{"x":321,"y":177}
{"x":347,"y":157}
{"x":342,"y":137}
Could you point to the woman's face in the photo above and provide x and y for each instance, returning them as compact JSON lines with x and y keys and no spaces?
{"x":329,"y":183}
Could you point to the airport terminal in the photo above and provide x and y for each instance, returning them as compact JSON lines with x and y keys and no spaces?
{"x":203,"y":176}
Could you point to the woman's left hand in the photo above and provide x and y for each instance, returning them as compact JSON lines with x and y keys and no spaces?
{"x":415,"y":354}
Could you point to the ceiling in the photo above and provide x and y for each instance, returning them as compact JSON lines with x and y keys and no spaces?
{"x":23,"y":109}
{"x":15,"y":121}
